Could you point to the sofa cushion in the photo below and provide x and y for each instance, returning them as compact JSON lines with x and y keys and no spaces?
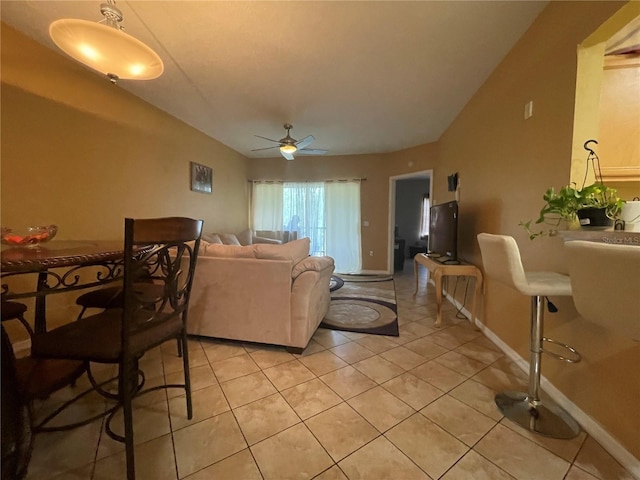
{"x":292,"y":251}
{"x":316,"y":264}
{"x":245,"y":237}
{"x":229,"y":239}
{"x":212,"y":238}
{"x":230,"y":251}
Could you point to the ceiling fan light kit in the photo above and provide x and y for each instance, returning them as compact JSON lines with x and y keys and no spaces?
{"x":289,"y":145}
{"x":106,"y":48}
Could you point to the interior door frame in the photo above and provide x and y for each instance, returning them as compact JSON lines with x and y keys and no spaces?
{"x":392,"y":209}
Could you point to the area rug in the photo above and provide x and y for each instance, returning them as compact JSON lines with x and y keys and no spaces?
{"x":362,"y":303}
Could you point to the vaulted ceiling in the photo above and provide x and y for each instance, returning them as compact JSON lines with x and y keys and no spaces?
{"x":362,"y":77}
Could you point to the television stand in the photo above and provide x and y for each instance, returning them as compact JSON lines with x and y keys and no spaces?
{"x":439,"y":270}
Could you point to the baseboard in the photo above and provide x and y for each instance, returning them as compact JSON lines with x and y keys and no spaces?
{"x":591,"y":426}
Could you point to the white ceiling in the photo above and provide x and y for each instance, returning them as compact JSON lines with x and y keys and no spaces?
{"x":362,"y":77}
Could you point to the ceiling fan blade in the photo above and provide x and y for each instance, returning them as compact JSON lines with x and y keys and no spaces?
{"x":286,"y":155}
{"x":312,"y":151}
{"x":265,"y":148}
{"x":308,"y":140}
{"x":270,"y":139}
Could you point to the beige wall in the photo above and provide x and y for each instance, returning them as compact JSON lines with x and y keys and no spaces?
{"x":83,"y":154}
{"x":505,"y":163}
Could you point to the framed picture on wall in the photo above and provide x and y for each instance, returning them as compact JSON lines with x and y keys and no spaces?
{"x":201,"y":178}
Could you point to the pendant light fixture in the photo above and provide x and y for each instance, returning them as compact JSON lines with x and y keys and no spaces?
{"x":106,"y":48}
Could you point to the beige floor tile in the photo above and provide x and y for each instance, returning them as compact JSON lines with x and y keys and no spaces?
{"x":418,"y":329}
{"x":564,"y":448}
{"x":234,"y":367}
{"x":425,"y":347}
{"x":269,"y":357}
{"x":379,"y":460}
{"x":380,"y":408}
{"x":486,"y":343}
{"x":478,"y":396}
{"x":460,"y":363}
{"x":500,"y":381}
{"x":205,"y":443}
{"x":376,"y":343}
{"x":323,"y":362}
{"x":354,"y":335}
{"x":329,"y":338}
{"x":243,"y":390}
{"x":593,"y":459}
{"x":334,"y":473}
{"x":220,"y":351}
{"x":240,"y":466}
{"x":311,"y":348}
{"x":479,"y":352}
{"x":265,"y":417}
{"x":311,"y":398}
{"x":149,"y":422}
{"x":82,"y":473}
{"x":447,"y":338}
{"x":348,"y":382}
{"x":508,"y":366}
{"x":201,"y":377}
{"x":465,"y":423}
{"x":153,"y":460}
{"x":378,"y":369}
{"x":412,"y":391}
{"x":403,"y":357}
{"x":475,"y":467}
{"x":404,"y":337}
{"x":519,"y":456}
{"x":292,"y":454}
{"x":59,"y":452}
{"x":287,"y":375}
{"x":341,"y":430}
{"x":172,"y":363}
{"x":352,"y":352}
{"x":153,"y":366}
{"x":206,"y":403}
{"x":433,"y":449}
{"x":438,"y":375}
{"x":576,"y":473}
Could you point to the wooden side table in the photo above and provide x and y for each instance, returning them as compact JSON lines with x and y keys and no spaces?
{"x":439,"y":270}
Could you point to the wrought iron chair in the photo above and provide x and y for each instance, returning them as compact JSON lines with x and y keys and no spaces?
{"x":164,"y":250}
{"x":502,"y":262}
{"x":24,"y":380}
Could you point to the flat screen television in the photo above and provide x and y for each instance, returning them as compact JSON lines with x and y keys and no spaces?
{"x":443,"y":232}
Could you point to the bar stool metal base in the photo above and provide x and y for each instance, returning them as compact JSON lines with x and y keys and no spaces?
{"x":544,"y":418}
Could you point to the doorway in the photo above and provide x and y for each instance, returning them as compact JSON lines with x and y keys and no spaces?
{"x":404,"y":211}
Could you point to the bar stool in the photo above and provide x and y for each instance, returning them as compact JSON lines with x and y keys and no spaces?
{"x":502,"y":262}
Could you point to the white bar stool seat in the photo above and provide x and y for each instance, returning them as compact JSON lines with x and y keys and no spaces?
{"x":502,"y":262}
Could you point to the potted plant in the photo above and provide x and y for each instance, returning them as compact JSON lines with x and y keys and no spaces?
{"x":593,"y":206}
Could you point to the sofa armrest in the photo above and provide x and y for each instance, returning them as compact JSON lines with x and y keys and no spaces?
{"x":316,"y":264}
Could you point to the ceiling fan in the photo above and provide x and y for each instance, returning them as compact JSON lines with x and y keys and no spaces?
{"x":288,"y":145}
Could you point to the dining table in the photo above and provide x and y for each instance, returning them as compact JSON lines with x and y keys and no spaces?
{"x":58,"y":266}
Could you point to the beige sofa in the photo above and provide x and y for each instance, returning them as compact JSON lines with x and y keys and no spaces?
{"x":274,"y":294}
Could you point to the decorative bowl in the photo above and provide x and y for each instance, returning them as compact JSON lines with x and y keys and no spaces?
{"x":28,"y":237}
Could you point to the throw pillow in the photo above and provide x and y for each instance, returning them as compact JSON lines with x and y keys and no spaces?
{"x":229,"y":239}
{"x":230,"y":251}
{"x":212,"y":238}
{"x":292,"y":251}
{"x":245,"y":237}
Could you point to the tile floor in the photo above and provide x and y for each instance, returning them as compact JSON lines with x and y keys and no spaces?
{"x":352,"y":406}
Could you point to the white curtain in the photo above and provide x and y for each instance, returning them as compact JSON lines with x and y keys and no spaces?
{"x":267,"y":206}
{"x":328,"y":213}
{"x":342,"y":212}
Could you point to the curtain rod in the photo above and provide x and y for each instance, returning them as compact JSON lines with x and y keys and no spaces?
{"x":310,"y":181}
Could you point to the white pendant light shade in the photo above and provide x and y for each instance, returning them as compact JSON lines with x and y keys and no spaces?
{"x":108,"y":50}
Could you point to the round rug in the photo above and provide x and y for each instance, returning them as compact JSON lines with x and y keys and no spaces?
{"x":359,"y":313}
{"x":335,"y":283}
